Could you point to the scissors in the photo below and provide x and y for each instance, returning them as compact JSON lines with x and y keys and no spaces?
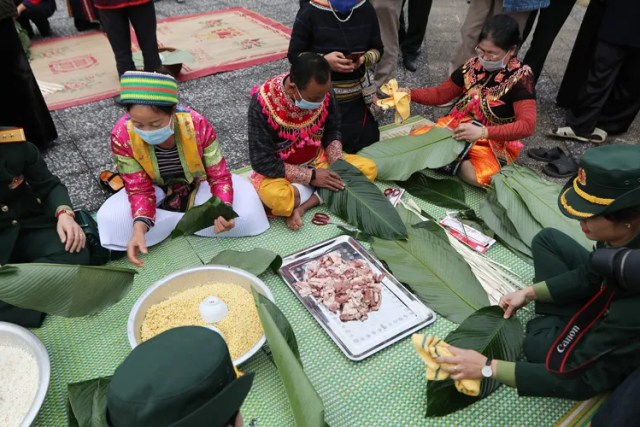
{"x":323,"y":219}
{"x":393,"y":192}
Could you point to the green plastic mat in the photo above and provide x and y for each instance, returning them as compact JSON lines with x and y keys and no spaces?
{"x":387,"y":389}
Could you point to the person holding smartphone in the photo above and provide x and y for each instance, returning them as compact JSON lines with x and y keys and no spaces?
{"x":347,"y":34}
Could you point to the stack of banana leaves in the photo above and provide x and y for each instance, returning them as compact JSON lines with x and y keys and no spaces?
{"x":519,"y":204}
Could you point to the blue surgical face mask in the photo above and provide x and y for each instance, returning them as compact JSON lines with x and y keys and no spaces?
{"x":343,"y":6}
{"x":307,"y":105}
{"x":156,"y":136}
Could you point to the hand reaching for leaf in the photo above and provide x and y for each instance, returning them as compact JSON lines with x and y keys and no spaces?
{"x":326,"y":178}
{"x":220,"y":225}
{"x":514,"y":301}
{"x":137,"y":244}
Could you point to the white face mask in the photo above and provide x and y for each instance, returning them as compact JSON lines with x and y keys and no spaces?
{"x":492,"y":66}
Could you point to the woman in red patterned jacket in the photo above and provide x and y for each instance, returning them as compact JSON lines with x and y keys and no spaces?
{"x":497,"y":105}
{"x":170,"y":160}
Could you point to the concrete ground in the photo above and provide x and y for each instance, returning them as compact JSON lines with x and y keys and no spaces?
{"x":82,"y":149}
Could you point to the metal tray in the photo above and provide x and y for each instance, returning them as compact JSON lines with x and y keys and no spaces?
{"x":399,"y":315}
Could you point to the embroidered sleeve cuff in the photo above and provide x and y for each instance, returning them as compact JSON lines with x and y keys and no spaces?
{"x":334,"y":151}
{"x":297,"y":174}
{"x":542,"y":292}
{"x":371,"y":57}
{"x":146,"y":221}
{"x":506,"y":373}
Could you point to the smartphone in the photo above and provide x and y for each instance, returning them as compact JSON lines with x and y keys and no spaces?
{"x":476,"y":123}
{"x":355,"y":56}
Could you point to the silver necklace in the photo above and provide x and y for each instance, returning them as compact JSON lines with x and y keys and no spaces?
{"x":336,"y":15}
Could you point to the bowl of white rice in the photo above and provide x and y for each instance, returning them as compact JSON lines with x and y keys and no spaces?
{"x":174,"y":301}
{"x":24,"y":375}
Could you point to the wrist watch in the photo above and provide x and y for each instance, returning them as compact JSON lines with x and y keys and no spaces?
{"x":487,"y":372}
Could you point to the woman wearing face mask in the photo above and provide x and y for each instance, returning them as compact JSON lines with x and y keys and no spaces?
{"x":170,"y":160}
{"x":584,"y":340}
{"x":346,"y":33}
{"x":497,"y":105}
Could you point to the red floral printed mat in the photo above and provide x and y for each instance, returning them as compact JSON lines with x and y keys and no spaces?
{"x":83,"y":68}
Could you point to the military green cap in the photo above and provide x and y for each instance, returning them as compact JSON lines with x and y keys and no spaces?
{"x":608,"y":180}
{"x":182,"y":377}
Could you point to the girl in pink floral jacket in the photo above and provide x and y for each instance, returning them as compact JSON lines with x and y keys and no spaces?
{"x":170,"y":160}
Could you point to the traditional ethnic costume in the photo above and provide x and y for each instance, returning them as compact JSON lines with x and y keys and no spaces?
{"x":31,"y":198}
{"x":322,"y":30}
{"x":503,"y":101}
{"x":287,"y":142}
{"x":608,"y":181}
{"x":161,"y":184}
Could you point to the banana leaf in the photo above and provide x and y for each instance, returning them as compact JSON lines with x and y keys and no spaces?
{"x":435,"y":271}
{"x":494,"y":215}
{"x":87,"y":404}
{"x":363,"y":205}
{"x":488,"y":332}
{"x":447,"y":193}
{"x":64,"y":290}
{"x":255,"y":261}
{"x":306,"y":405}
{"x":398,"y":158}
{"x":356,"y":234}
{"x":524,"y":222}
{"x":202,"y":216}
{"x":541,"y":199}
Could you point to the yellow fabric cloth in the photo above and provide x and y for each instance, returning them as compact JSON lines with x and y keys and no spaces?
{"x":188,"y":149}
{"x":399,"y":100}
{"x":278,"y":194}
{"x":430,"y":348}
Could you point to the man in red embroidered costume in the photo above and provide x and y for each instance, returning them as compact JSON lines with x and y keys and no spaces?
{"x":294,"y":135}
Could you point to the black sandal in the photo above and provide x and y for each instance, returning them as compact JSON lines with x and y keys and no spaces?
{"x":563,"y":167}
{"x":546,"y":155}
{"x":111,"y":181}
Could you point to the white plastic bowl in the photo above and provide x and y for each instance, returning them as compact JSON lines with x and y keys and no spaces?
{"x":190,"y":278}
{"x":17,"y":336}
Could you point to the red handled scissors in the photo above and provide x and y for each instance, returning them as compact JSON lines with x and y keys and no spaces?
{"x":393,"y":192}
{"x":322,"y":219}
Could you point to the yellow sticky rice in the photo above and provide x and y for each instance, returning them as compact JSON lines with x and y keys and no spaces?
{"x":241,"y":328}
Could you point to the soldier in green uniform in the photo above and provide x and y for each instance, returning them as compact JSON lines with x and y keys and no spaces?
{"x":605,"y":197}
{"x":36,"y":219}
{"x":182,"y":377}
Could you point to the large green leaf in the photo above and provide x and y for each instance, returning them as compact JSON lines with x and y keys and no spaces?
{"x":64,"y":290}
{"x":255,"y":261}
{"x":524,"y":222}
{"x":306,"y":405}
{"x":363,"y":205}
{"x":284,"y":327}
{"x":202,"y":216}
{"x":496,"y":218}
{"x":436,"y":273}
{"x":447,"y":193}
{"x":397,"y":158}
{"x":541,"y":199}
{"x":87,"y":405}
{"x":488,"y":332}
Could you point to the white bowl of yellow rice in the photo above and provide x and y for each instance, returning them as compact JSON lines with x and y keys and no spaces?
{"x":174,"y":300}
